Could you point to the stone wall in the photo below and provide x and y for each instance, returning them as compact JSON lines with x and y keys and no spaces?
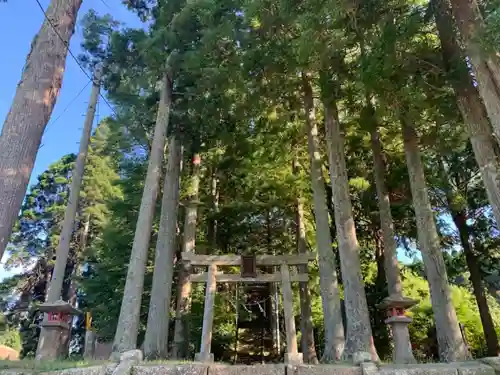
{"x":483,"y":367}
{"x":129,"y":365}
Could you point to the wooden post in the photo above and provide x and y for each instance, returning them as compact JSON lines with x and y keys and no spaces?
{"x":208,"y":317}
{"x":292,"y":356}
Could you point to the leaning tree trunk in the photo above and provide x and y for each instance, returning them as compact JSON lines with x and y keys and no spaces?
{"x":30,"y":112}
{"x":128,"y":321}
{"x":451,"y":344}
{"x":156,"y":339}
{"x":306,"y":324}
{"x":486,"y":66}
{"x":472,"y":260}
{"x":63,"y":247}
{"x":332,"y":316}
{"x":181,"y":329}
{"x":460,"y":219}
{"x":60,"y":276}
{"x":470,"y":105}
{"x":359,"y":341}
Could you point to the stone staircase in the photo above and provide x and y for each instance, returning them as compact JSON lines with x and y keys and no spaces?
{"x":254,"y":341}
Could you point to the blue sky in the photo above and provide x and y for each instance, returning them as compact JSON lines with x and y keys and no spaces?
{"x":21,"y":20}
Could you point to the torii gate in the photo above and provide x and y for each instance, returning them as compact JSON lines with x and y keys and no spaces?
{"x":248,"y":264}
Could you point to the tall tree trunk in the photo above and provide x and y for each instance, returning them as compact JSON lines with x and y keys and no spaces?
{"x":68,"y":226}
{"x":128,"y":321}
{"x":212,"y":227}
{"x":306,"y":325}
{"x":181,"y":331}
{"x":156,"y":339}
{"x":359,"y":341}
{"x":451,"y":344}
{"x":62,"y":270}
{"x":332,"y":316}
{"x":35,"y":98}
{"x":379,"y":257}
{"x":470,"y":105}
{"x":273,"y":290}
{"x":486,"y":66}
{"x":82,"y":246}
{"x":460,"y":219}
{"x":391,"y":264}
{"x":395,"y":287}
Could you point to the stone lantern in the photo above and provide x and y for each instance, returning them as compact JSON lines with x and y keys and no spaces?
{"x":57,"y":324}
{"x":396,"y":306}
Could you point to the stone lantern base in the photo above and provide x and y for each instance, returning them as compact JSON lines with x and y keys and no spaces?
{"x":52,"y":343}
{"x":402,"y":345}
{"x":56,"y":328}
{"x":398,"y":321}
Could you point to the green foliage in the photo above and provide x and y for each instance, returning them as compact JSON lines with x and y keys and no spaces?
{"x":235,"y":71}
{"x":9,"y":336}
{"x":465,"y":305}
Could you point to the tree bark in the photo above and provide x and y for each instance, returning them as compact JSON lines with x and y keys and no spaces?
{"x":470,"y":105}
{"x":307,"y":343}
{"x":212,"y":225}
{"x":391,"y":263}
{"x":332,"y":316}
{"x":380,"y":281}
{"x":63,"y":268}
{"x":486,"y":66}
{"x":490,"y":334}
{"x":35,"y":98}
{"x":359,"y":340}
{"x":274,"y":291}
{"x":128,"y":322}
{"x":68,"y":226}
{"x":156,"y":339}
{"x":451,"y":344}
{"x":181,"y":330}
{"x":459,"y":216}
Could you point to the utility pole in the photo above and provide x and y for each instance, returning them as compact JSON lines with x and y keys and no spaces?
{"x":47,"y":342}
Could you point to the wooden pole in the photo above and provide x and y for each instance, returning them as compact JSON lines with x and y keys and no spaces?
{"x":208,"y":317}
{"x":292,"y":355}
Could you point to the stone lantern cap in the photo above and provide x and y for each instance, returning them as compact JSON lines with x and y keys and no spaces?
{"x":59,"y":306}
{"x":397,"y":302}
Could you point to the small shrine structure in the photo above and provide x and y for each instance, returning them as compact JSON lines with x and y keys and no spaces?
{"x":248,"y":274}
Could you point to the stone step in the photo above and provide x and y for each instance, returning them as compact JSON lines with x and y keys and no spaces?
{"x":194,"y":368}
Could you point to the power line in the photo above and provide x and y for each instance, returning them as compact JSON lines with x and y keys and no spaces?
{"x":106,"y":4}
{"x":74,"y":57}
{"x":71,"y":53}
{"x":62,"y":40}
{"x":67,"y":107}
